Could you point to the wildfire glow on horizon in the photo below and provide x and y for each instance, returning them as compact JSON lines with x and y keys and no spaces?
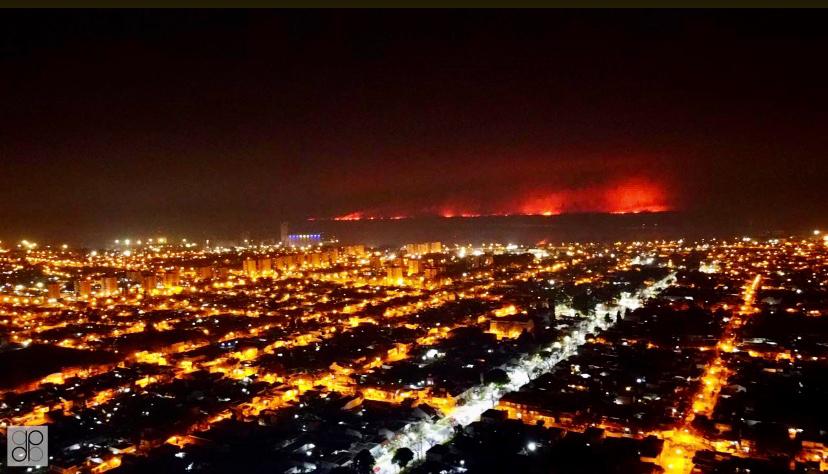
{"x":630,"y":196}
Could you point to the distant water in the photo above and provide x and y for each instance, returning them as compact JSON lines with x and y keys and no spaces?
{"x":523,"y":229}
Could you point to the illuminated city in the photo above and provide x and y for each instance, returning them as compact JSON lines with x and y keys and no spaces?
{"x":152,"y":354}
{"x":368,"y":241}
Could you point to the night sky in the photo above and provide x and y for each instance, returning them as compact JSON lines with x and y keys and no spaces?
{"x":133,"y":122}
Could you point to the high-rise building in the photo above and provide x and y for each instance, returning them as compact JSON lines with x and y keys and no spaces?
{"x":83,"y":288}
{"x":171,"y":278}
{"x":53,"y":289}
{"x":109,"y":286}
{"x":204,"y":272}
{"x":423,"y":248}
{"x":284,"y":233}
{"x":354,"y":250}
{"x":148,"y":282}
{"x":395,"y":275}
{"x":249,"y":267}
{"x":413,"y":266}
{"x":430,"y":273}
{"x":263,"y":265}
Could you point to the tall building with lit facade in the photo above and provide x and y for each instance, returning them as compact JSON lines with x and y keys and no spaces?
{"x":109,"y":285}
{"x":249,"y":267}
{"x":423,"y":248}
{"x":148,"y":282}
{"x":83,"y":288}
{"x":53,"y":290}
{"x":413,"y":265}
{"x":284,"y":233}
{"x":171,"y":278}
{"x":263,"y":265}
{"x":395,"y":275}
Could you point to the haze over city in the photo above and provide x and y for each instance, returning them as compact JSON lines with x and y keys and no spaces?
{"x":224,"y":123}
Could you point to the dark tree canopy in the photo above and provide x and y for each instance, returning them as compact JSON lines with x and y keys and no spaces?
{"x":496,"y":376}
{"x":364,"y":462}
{"x":402,"y":457}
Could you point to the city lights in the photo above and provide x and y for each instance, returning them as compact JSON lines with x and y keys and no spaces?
{"x":224,"y":315}
{"x":443,"y":241}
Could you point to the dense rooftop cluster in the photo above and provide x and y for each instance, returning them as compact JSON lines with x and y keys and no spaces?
{"x":639,"y":356}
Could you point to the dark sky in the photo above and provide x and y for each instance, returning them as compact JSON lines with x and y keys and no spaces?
{"x":131,"y":122}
